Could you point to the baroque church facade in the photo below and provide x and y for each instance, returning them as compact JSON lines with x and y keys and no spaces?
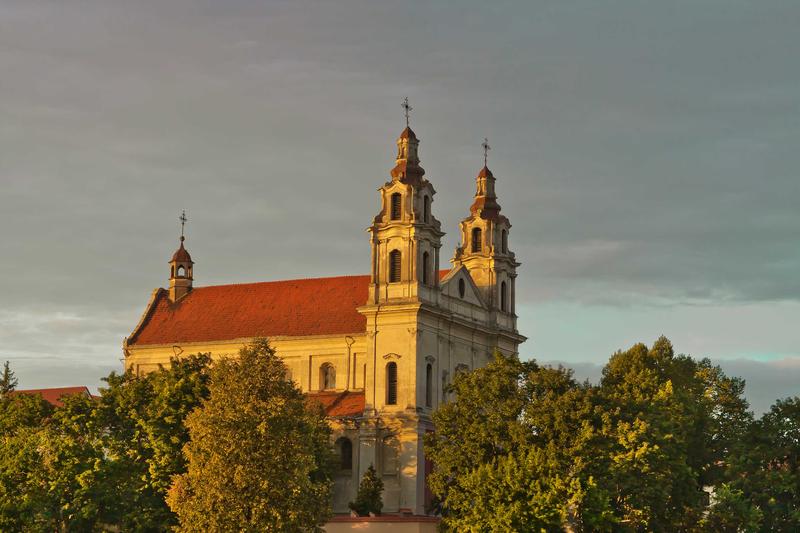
{"x":377,"y":350}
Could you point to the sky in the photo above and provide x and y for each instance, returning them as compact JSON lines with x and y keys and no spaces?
{"x":645,"y":153}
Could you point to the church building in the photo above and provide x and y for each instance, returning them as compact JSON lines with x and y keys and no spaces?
{"x":376,"y":350}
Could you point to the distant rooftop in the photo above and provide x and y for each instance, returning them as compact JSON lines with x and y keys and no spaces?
{"x":54,"y":395}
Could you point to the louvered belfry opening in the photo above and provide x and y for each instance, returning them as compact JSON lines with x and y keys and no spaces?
{"x":477,"y":236}
{"x":396,"y":206}
{"x":395,"y":262}
{"x":391,"y":383}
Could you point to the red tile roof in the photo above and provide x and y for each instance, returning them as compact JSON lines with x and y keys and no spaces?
{"x":54,"y":395}
{"x":339,"y":403}
{"x":321,"y":306}
{"x":300,"y":307}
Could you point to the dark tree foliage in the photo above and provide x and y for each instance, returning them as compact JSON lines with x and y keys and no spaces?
{"x":527,"y":448}
{"x":98,"y":463}
{"x":369,"y":498}
{"x":765,"y":470}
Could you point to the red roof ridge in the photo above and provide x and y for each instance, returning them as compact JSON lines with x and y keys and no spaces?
{"x":442,"y":273}
{"x":244,"y":283}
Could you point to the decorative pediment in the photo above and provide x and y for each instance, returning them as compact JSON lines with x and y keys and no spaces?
{"x":392,"y":356}
{"x":459,"y":284}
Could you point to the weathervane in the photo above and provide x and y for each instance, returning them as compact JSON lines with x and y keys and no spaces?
{"x":183,"y":220}
{"x":486,"y":149}
{"x":407,"y":108}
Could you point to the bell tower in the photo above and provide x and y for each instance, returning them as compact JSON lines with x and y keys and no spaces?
{"x":484,"y":247}
{"x":405,"y":237}
{"x":180,"y":269}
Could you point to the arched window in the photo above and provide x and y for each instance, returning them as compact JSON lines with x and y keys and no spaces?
{"x":327,"y":377}
{"x":429,"y":385}
{"x":477,"y":237}
{"x":503,"y":296}
{"x":504,"y":241}
{"x":396,"y":206}
{"x":391,"y":383}
{"x":462,"y":288}
{"x":345,"y":453}
{"x":181,"y":271}
{"x":426,"y":209}
{"x":426,"y":268}
{"x":395,"y":262}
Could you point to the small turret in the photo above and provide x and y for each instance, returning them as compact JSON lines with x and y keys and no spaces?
{"x":180,"y":269}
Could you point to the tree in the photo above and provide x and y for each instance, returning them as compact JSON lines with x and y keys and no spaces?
{"x":766,"y":468}
{"x":527,"y":448}
{"x":669,"y":422}
{"x":93,"y":463}
{"x":140,"y":420}
{"x":20,"y":419}
{"x":368,"y":500}
{"x":258,"y":458}
{"x":510,"y":452}
{"x":8,"y":381}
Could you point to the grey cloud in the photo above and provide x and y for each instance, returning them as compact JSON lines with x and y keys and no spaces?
{"x":645,"y":152}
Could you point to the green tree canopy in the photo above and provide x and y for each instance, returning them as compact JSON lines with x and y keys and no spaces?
{"x":765,"y":470}
{"x":540,"y":451}
{"x":259,"y":459}
{"x":96,"y":463}
{"x":509,"y":451}
{"x":669,"y":422}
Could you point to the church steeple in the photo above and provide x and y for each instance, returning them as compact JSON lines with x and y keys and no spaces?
{"x":406,"y":237}
{"x":484,"y":244}
{"x":180,"y":268}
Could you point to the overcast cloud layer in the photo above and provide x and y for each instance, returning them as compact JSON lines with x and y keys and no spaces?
{"x":646,"y":154}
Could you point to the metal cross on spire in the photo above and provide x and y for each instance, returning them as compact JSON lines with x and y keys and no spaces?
{"x":407,"y":108}
{"x":183,"y":220}
{"x":486,"y":148}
